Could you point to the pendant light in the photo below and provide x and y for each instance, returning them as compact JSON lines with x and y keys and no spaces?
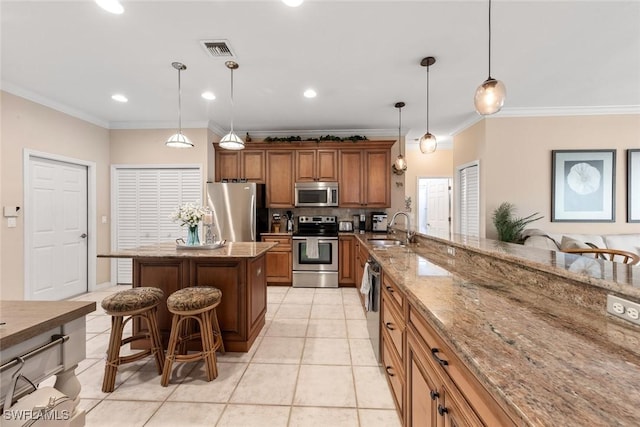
{"x":231,"y":141}
{"x":490,"y":95}
{"x":400,"y":165}
{"x":178,"y":140}
{"x":428,"y":142}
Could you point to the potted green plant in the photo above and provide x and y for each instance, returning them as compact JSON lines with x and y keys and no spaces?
{"x":508,"y":226}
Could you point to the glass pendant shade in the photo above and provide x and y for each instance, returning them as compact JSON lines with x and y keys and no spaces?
{"x":231,"y":141}
{"x":490,"y":96}
{"x":400,"y":164}
{"x":179,"y":140}
{"x":428,"y":143}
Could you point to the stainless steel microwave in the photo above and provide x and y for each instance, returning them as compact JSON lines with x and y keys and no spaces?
{"x":316,"y":194}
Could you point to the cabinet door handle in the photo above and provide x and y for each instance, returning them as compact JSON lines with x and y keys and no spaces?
{"x":389,"y":289}
{"x":388,"y":368}
{"x":434,"y":394}
{"x":442,"y":410}
{"x":388,"y":325}
{"x":434,"y":352}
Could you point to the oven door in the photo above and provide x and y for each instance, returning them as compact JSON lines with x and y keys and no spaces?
{"x":327,"y":255}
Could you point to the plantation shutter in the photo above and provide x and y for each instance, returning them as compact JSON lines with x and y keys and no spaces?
{"x":470,"y":201}
{"x":144,"y":200}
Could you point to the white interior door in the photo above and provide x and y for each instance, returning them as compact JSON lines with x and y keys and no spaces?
{"x":434,"y":203}
{"x":58,"y":223}
{"x":143,"y":199}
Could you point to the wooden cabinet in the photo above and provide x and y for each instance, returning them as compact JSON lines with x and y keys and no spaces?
{"x":241,"y":312}
{"x":365,"y":178}
{"x":280,"y":178}
{"x":245,"y":164}
{"x":316,"y":165}
{"x":434,"y":370}
{"x":279,"y":260}
{"x":392,"y":334}
{"x":347,"y":260}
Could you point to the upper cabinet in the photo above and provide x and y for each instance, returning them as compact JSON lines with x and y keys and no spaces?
{"x":280,"y":178}
{"x":316,"y":165}
{"x":362,"y":169}
{"x":245,"y":164}
{"x":365,"y":178}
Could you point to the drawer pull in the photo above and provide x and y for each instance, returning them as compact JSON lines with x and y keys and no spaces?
{"x":389,"y":289}
{"x":388,"y":325}
{"x":434,"y":394}
{"x":442,"y":362}
{"x":442,"y":410}
{"x":388,"y":369}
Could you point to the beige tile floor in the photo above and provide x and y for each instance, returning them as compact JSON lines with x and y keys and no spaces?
{"x":311,"y":366}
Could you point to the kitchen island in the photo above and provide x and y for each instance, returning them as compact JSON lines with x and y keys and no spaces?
{"x":237,"y":269}
{"x":514,"y":335}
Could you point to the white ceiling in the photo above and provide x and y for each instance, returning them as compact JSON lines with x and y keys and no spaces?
{"x":360,"y":56}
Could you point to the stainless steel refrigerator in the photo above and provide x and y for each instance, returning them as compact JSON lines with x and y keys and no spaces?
{"x":239,"y":212}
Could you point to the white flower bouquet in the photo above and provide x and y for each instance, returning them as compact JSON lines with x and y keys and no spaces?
{"x":188,"y":214}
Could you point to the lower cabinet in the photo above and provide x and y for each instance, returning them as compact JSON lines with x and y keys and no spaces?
{"x":346,"y":260}
{"x":279,"y":260}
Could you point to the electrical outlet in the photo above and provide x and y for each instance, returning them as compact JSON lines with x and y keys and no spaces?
{"x":624,"y":309}
{"x":451,"y":250}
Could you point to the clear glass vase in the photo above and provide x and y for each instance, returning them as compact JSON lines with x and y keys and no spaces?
{"x":193,"y":238}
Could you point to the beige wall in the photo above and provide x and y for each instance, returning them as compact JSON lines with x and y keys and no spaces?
{"x":27,"y":125}
{"x":515,"y":163}
{"x":438,"y":164}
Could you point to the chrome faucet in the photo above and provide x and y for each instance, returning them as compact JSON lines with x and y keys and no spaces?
{"x":408,"y":217}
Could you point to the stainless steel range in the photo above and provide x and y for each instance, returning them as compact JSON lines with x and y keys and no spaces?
{"x":315,"y":252}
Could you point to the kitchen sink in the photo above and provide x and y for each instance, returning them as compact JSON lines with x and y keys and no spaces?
{"x":385,"y":242}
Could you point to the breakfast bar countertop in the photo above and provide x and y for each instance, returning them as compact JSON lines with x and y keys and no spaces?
{"x":171,"y":250}
{"x":544,"y":359}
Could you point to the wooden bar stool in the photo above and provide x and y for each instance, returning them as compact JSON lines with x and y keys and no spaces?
{"x":194,"y":303}
{"x":122,"y":307}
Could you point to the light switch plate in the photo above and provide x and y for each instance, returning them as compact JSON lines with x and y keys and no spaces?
{"x":624,"y":309}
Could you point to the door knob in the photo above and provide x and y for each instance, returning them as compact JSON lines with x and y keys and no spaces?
{"x":83,"y":236}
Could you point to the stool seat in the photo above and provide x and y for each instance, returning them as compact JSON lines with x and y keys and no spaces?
{"x":193,"y":299}
{"x":132,"y":300}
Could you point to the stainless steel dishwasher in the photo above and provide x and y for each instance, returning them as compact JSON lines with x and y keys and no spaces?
{"x":373,"y":314}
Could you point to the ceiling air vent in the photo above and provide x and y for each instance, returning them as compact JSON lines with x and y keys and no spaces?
{"x":218,"y":48}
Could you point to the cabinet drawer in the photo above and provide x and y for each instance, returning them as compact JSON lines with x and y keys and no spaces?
{"x":284,"y":243}
{"x":393,"y":324}
{"x":391,"y":289}
{"x":394,"y":374}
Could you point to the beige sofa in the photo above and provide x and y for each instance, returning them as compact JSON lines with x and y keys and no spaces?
{"x":539,"y":239}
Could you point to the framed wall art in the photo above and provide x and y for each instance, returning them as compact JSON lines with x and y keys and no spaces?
{"x":633,"y":185}
{"x":583,"y":185}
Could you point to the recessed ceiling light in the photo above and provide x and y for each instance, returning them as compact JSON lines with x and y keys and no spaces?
{"x":119,"y":97}
{"x":112,"y":6}
{"x":292,"y":3}
{"x":310,"y":93}
{"x":209,"y":96}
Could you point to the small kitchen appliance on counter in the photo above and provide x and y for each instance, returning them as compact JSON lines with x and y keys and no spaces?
{"x":362,"y":224}
{"x":345,"y":226}
{"x":379,"y":221}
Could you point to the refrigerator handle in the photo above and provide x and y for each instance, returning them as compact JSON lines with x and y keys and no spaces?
{"x":254,"y":224}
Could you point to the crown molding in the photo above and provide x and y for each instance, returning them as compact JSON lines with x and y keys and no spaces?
{"x":39,"y":99}
{"x":316,"y":133}
{"x":157,"y":125}
{"x":605,"y":110}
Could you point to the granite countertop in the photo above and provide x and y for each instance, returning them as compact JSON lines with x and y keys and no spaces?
{"x":170,"y":250}
{"x":27,"y":319}
{"x":549,"y":362}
